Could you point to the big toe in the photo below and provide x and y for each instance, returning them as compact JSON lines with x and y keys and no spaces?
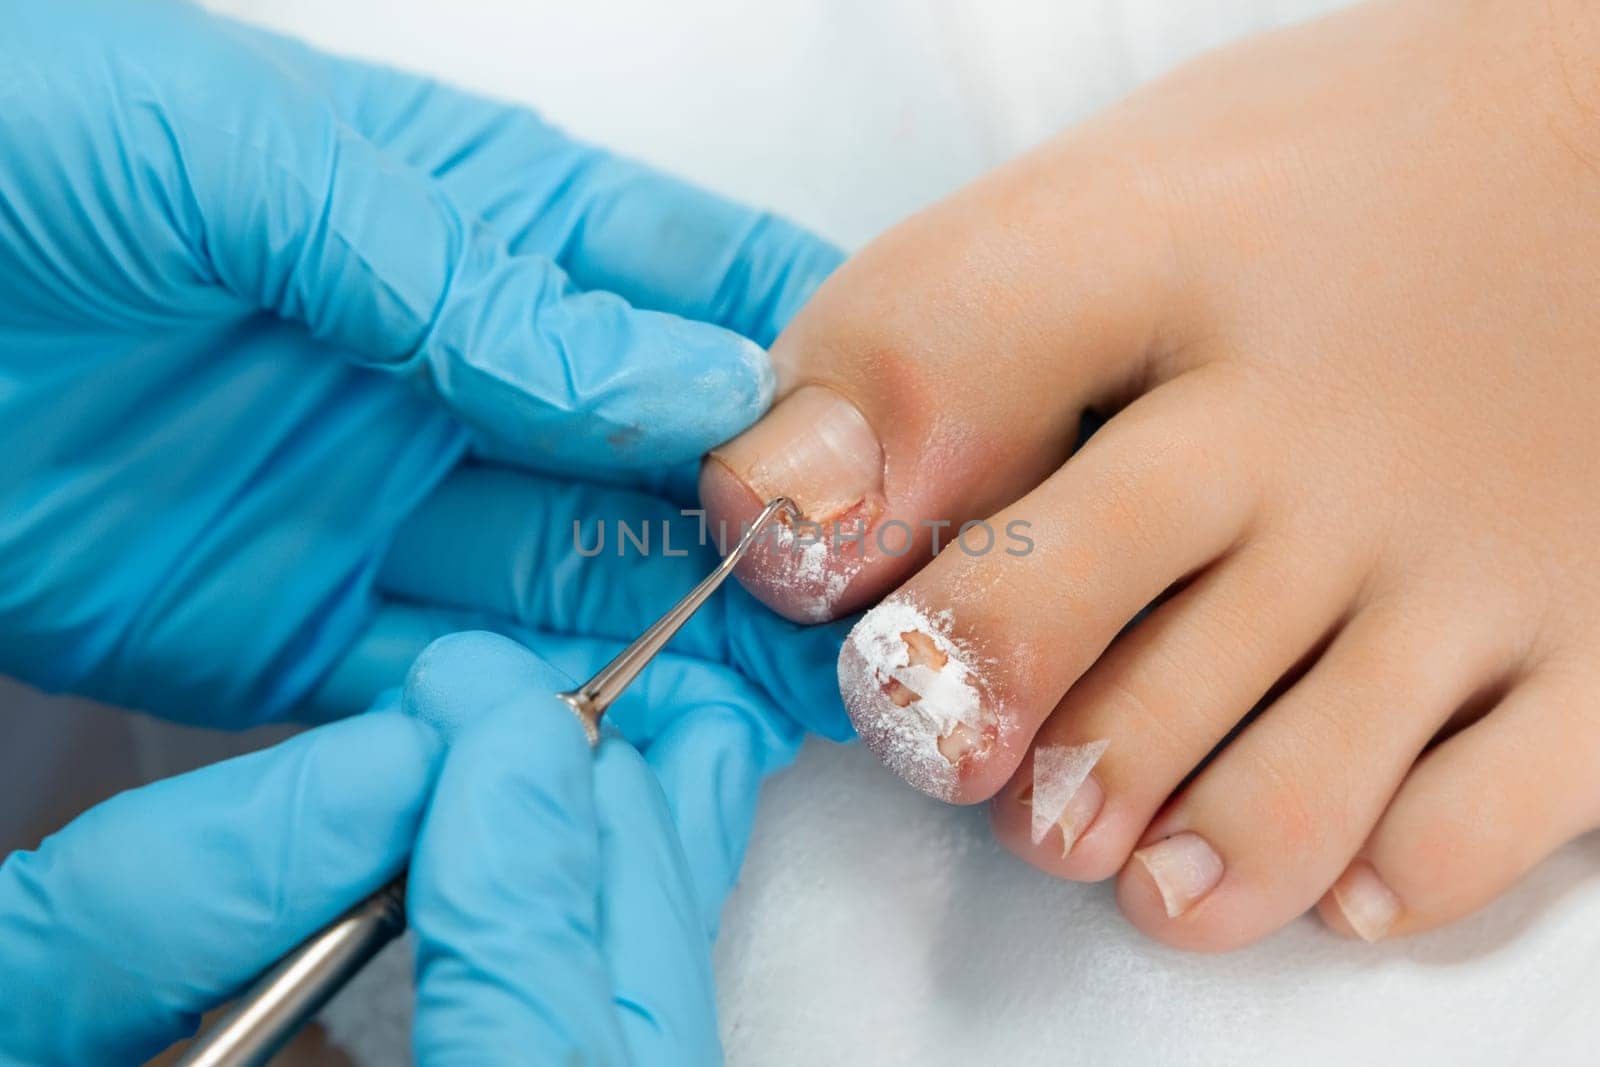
{"x":936,"y":378}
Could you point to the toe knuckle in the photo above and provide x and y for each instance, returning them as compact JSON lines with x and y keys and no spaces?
{"x":1141,"y":707}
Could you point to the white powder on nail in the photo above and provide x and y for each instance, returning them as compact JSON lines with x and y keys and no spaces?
{"x":1058,"y":771}
{"x":906,"y":738}
{"x":806,"y":565}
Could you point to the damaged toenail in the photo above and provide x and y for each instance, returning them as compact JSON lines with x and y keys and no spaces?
{"x":812,"y":560}
{"x":900,"y":694}
{"x":914,"y":696}
{"x":922,"y":652}
{"x":1184,"y":868}
{"x":960,"y":743}
{"x":814,"y":447}
{"x":1367,"y":904}
{"x":1064,"y":795}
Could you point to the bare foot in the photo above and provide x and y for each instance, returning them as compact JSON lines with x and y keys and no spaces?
{"x":1336,"y":289}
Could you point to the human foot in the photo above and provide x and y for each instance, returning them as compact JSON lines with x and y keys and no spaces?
{"x":1336,"y":286}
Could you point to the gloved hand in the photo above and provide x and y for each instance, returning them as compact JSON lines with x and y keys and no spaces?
{"x":563,"y":900}
{"x":563,"y":903}
{"x":257,"y":304}
{"x":162,"y":902}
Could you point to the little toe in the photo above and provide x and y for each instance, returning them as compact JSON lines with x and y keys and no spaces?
{"x":1264,"y":830}
{"x":1478,"y":812}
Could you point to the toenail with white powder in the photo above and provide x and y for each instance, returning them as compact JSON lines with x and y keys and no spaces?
{"x":939,"y":699}
{"x":1058,"y":772}
{"x":815,"y":569}
{"x":807,"y":566}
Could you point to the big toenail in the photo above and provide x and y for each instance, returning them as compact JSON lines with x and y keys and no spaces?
{"x":816,"y":448}
{"x":812,"y":562}
{"x":1184,"y":868}
{"x":1367,"y":904}
{"x":1064,"y":794}
{"x":914,"y":696}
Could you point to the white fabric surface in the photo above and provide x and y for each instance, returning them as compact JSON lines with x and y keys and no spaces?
{"x":873,"y":926}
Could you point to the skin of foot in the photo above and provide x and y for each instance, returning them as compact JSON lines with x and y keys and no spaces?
{"x":1313,"y":620}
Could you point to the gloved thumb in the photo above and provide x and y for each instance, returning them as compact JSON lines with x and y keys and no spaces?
{"x":503,"y":891}
{"x":307,"y":218}
{"x":553,"y":908}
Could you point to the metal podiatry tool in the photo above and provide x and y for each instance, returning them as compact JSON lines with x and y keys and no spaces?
{"x":290,"y":993}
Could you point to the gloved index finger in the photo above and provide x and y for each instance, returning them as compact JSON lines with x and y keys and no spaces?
{"x":611,"y":223}
{"x":305,"y":217}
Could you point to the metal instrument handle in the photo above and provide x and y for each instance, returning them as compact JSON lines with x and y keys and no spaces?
{"x":289,"y":995}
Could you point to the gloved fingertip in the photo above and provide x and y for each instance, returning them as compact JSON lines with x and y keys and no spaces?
{"x":751,"y":377}
{"x":463,"y":676}
{"x":692,"y":386}
{"x":588,"y":378}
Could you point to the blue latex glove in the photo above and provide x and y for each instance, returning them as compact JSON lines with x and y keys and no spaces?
{"x":560,"y":899}
{"x":495,"y":549}
{"x":257,"y":304}
{"x":162,"y":902}
{"x":563,"y":900}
